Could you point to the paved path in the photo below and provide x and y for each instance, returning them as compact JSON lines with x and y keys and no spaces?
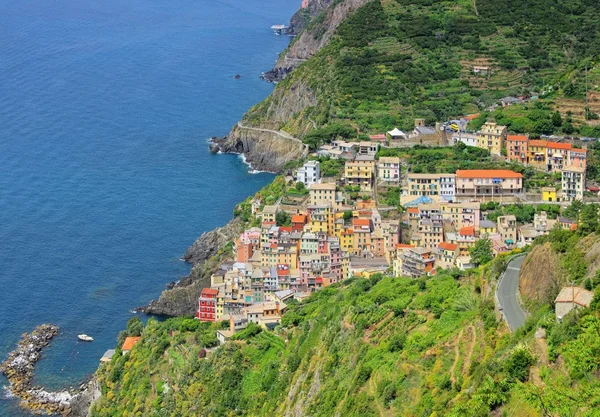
{"x":281,"y":133}
{"x":507,"y":294}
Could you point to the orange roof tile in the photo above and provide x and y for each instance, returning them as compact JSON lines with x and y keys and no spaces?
{"x":361,"y":222}
{"x":467,"y":231}
{"x":578,"y":150}
{"x":403,"y":246}
{"x":471,"y":116}
{"x":556,"y":145}
{"x":487,"y":173}
{"x":516,"y":137}
{"x":413,"y":210}
{"x":448,"y":246}
{"x":299,"y":218}
{"x":209,"y":291}
{"x":535,"y":142}
{"x":285,"y":229}
{"x":130,"y":342}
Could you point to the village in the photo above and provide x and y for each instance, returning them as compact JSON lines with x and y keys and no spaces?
{"x":337,"y":227}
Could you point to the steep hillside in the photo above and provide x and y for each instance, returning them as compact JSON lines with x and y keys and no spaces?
{"x":391,"y":61}
{"x":557,"y":260}
{"x":379,"y":347}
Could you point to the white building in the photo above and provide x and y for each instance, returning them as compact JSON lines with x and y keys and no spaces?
{"x":466,"y":138}
{"x":447,"y":187}
{"x":571,"y":298}
{"x":309,"y":173}
{"x":573,"y":183}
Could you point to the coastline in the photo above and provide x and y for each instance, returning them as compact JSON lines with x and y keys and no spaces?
{"x":178,"y":296}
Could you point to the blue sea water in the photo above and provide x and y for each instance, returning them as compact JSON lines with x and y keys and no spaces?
{"x":105,"y":176}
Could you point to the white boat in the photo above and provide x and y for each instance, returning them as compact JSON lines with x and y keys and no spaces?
{"x":85,"y":338}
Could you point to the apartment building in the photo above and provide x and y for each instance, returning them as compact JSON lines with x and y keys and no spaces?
{"x":488,"y":183}
{"x":442,"y":186}
{"x":309,"y":173}
{"x":507,"y":228}
{"x":573,"y":183}
{"x":322,"y":194}
{"x":517,"y":148}
{"x":388,"y":169}
{"x":417,"y":262}
{"x":361,"y":172}
{"x":492,"y":137}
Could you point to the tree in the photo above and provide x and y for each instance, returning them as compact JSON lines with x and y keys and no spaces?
{"x":518,"y":364}
{"x":282,"y":218}
{"x":135,"y":327}
{"x":300,"y":187}
{"x":347,"y":215}
{"x":588,"y":218}
{"x":557,"y":119}
{"x":481,"y":253}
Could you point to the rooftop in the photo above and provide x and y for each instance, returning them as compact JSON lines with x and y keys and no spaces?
{"x":487,"y":173}
{"x":129,"y":343}
{"x":577,"y":295}
{"x":323,"y":186}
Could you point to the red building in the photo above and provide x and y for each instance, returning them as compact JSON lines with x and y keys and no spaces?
{"x":298,"y":222}
{"x":516,"y":148}
{"x":207,"y":305}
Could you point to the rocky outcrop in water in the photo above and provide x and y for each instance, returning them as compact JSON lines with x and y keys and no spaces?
{"x":19,"y":368}
{"x":276,"y":74}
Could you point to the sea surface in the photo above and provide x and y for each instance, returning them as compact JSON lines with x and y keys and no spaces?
{"x":105,"y":175}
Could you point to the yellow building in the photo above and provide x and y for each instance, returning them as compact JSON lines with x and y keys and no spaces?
{"x":487,"y":228}
{"x":321,"y":219}
{"x":322,"y":194}
{"x":492,"y":137}
{"x":361,"y":172}
{"x":347,"y":240}
{"x":549,"y":194}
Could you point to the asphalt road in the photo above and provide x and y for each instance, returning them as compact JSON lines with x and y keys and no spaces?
{"x":507,"y":294}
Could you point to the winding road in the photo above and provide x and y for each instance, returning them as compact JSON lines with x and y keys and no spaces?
{"x":506,"y":294}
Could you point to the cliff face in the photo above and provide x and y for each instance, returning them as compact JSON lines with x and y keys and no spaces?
{"x":264,"y":149}
{"x":541,"y":278}
{"x":182,"y":298}
{"x":310,"y":41}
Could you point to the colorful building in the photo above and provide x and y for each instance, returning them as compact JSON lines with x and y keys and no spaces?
{"x":207,"y":305}
{"x":573,"y":183}
{"x":516,"y":148}
{"x":491,"y":137}
{"x":492,"y":183}
{"x":388,"y":169}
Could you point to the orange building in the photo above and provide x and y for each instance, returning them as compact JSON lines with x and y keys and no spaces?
{"x":516,"y":148}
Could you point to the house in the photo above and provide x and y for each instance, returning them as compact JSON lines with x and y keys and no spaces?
{"x":269,"y":213}
{"x":431,"y":185}
{"x":381,"y":137}
{"x":207,"y":305}
{"x":573,"y":183}
{"x":466,"y":138}
{"x":397,"y":134}
{"x":424,"y":131}
{"x":446,"y":254}
{"x":492,"y":183}
{"x":507,"y":228}
{"x":571,"y":298}
{"x":509,"y":101}
{"x":322,"y":194}
{"x":129,"y":343}
{"x":567,"y":224}
{"x":417,"y":262}
{"x":487,"y":227}
{"x":361,"y":172}
{"x":537,"y":151}
{"x":368,"y":148}
{"x":298,"y":222}
{"x":491,"y":137}
{"x":549,"y":194}
{"x":464,"y":262}
{"x":577,"y":158}
{"x":266,"y":314}
{"x":309,"y":173}
{"x":388,"y":169}
{"x":516,"y":148}
{"x":527,"y":235}
{"x":557,"y":156}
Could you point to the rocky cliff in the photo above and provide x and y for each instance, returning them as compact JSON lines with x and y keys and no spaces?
{"x":181,"y":299}
{"x":328,"y":14}
{"x":264,"y":149}
{"x":541,"y":278}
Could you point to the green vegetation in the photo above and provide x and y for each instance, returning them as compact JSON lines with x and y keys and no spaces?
{"x":481,"y":253}
{"x":524,"y":213}
{"x":395,"y":60}
{"x":373,"y":347}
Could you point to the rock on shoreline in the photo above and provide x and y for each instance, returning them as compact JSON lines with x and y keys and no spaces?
{"x":19,"y":368}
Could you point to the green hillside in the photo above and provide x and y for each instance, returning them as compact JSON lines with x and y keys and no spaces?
{"x":378,"y":347}
{"x":395,"y":60}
